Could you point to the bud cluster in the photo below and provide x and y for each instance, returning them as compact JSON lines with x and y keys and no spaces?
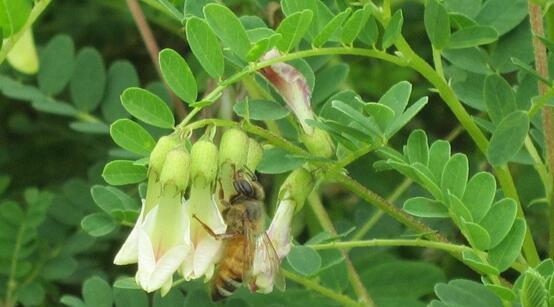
{"x":186,"y":194}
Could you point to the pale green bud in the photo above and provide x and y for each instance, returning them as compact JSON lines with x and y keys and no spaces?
{"x":175,"y":171}
{"x":255,"y":153}
{"x":159,"y":153}
{"x":297,"y":186}
{"x":234,"y":148}
{"x":319,"y":143}
{"x":204,"y":163}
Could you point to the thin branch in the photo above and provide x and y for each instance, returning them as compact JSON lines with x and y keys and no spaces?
{"x":153,"y":51}
{"x":541,"y":64}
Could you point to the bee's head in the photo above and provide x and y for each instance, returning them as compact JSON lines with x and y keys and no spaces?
{"x":245,"y":184}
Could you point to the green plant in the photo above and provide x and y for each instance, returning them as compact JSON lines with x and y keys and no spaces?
{"x":280,"y":82}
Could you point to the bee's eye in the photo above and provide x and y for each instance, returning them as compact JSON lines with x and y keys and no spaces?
{"x":244,"y":187}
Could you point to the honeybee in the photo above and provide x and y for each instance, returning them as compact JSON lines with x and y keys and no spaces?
{"x":245,"y":239}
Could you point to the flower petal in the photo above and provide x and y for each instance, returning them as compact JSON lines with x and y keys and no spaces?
{"x":166,"y":267}
{"x":128,"y":253}
{"x":206,"y":254}
{"x":293,"y":86}
{"x":280,"y":229}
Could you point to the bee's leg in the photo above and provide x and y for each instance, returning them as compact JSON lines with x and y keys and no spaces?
{"x":217,"y":236}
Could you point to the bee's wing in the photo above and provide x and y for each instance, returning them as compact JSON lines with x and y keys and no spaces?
{"x":264,"y":248}
{"x":249,"y":253}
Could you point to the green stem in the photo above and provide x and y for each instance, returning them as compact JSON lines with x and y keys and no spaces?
{"x":437,"y":60}
{"x":254,"y":67}
{"x":376,"y":200}
{"x":406,"y":183}
{"x":37,"y":10}
{"x":310,"y":284}
{"x":448,"y":247}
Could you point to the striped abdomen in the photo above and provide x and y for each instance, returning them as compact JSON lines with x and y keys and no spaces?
{"x":231,"y":269}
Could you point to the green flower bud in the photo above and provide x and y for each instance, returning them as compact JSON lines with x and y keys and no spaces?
{"x":174,"y":176}
{"x":159,"y":153}
{"x":234,"y":148}
{"x":297,"y":186}
{"x":203,"y":163}
{"x":255,"y":153}
{"x":319,"y":143}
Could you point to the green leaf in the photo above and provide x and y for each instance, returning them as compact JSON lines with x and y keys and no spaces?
{"x":472,"y":36}
{"x":147,"y":107}
{"x":425,"y":207}
{"x":499,"y":98}
{"x":382,"y":114}
{"x":479,"y":195}
{"x":31,"y":294}
{"x":329,"y":80}
{"x":120,"y":172}
{"x":59,"y":268}
{"x":354,"y":25}
{"x":393,"y":29}
{"x":454,"y":176}
{"x":106,"y":199}
{"x":205,"y":46}
{"x":477,"y":235}
{"x":56,"y":65}
{"x":13,"y":15}
{"x":466,"y":293}
{"x":228,"y":28}
{"x":126,"y":283}
{"x":121,"y":75}
{"x":292,"y":29}
{"x":132,"y":137}
{"x":178,"y":75}
{"x":276,"y":161}
{"x":439,"y":153}
{"x":97,"y":292}
{"x":503,"y":255}
{"x":304,"y":260}
{"x":370,"y":33}
{"x":473,"y":60}
{"x":499,"y":220}
{"x":458,"y":211}
{"x":390,"y":278}
{"x":89,"y":80}
{"x":437,"y":24}
{"x":405,"y":117}
{"x":474,"y":261}
{"x":49,"y":105}
{"x":397,"y":97}
{"x":260,"y":110}
{"x":417,"y":148}
{"x":533,"y":291}
{"x":72,"y":301}
{"x":356,"y":116}
{"x":171,"y":9}
{"x":98,"y":224}
{"x":331,"y":28}
{"x":508,"y":138}
{"x":90,"y":127}
{"x":502,"y":15}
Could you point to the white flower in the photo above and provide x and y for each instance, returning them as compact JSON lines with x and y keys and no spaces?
{"x":292,"y":195}
{"x":157,"y":241}
{"x":205,"y":250}
{"x":162,"y":247}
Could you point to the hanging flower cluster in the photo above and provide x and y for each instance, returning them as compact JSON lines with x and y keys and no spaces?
{"x":185,"y":187}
